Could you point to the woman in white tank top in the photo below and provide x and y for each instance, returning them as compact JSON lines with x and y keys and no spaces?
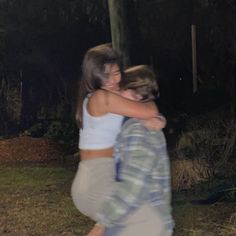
{"x":100,"y":113}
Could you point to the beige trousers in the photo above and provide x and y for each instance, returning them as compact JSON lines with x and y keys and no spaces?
{"x":93,"y":180}
{"x":143,"y":222}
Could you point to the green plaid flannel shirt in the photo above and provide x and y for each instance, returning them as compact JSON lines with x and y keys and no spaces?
{"x":144,"y":174}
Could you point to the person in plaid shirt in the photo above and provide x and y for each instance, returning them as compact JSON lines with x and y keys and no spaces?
{"x":140,"y":202}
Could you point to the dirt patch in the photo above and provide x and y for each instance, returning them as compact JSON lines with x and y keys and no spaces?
{"x":29,"y":149}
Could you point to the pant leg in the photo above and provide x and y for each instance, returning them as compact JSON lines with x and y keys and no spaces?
{"x":144,"y":221}
{"x":92,"y":182}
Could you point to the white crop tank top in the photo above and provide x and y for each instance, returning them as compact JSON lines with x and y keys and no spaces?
{"x":99,"y":132}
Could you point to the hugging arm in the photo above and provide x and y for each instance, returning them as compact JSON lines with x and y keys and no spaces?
{"x":108,"y":102}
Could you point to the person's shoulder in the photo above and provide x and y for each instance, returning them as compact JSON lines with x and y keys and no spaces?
{"x":136,"y":126}
{"x":132,"y":122}
{"x":102,"y":96}
{"x":158,"y":138}
{"x":133,"y":125}
{"x":99,"y":97}
{"x":157,"y":133}
{"x":100,"y":93}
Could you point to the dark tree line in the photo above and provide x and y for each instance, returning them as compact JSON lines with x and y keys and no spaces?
{"x":42,"y":44}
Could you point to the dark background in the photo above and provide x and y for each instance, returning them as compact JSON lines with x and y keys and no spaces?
{"x":42,"y":44}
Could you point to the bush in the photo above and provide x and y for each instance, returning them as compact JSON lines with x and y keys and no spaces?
{"x":208,"y":139}
{"x":186,"y":173}
{"x":63,"y":132}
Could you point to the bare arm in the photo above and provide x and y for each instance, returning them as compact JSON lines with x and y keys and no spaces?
{"x":102,"y":102}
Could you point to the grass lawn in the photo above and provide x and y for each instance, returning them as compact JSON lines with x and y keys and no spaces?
{"x":35,"y":200}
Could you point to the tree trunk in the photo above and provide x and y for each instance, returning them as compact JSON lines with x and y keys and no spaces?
{"x":119,"y":28}
{"x":194,"y":57}
{"x":232,"y":96}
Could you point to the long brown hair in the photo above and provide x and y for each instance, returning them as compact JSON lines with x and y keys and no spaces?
{"x":93,"y":72}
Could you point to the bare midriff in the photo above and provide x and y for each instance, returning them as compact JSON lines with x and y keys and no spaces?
{"x":86,"y":154}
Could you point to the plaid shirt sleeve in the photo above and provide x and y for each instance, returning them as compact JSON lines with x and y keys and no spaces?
{"x":138,"y":159}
